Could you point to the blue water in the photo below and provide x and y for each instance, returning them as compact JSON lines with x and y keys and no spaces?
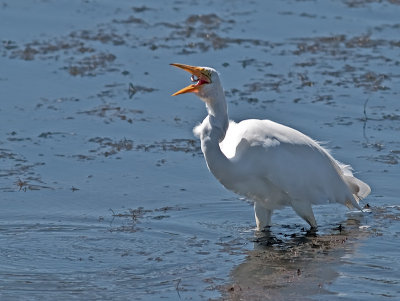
{"x":105,"y":193}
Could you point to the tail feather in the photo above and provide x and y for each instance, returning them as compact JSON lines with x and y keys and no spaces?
{"x":358,"y":188}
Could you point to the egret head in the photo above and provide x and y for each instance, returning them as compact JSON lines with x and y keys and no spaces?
{"x":205,"y":80}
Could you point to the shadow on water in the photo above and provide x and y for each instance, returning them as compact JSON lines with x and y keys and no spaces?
{"x":285,"y":266}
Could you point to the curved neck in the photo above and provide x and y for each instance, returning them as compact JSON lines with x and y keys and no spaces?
{"x":217,"y":111}
{"x":213,"y":131}
{"x":216,"y":160}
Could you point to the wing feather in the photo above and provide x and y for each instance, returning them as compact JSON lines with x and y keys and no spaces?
{"x":296,"y":164}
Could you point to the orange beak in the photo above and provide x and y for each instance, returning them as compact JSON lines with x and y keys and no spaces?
{"x":201,"y":73}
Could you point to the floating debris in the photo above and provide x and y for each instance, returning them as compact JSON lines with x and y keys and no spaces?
{"x":132,"y":90}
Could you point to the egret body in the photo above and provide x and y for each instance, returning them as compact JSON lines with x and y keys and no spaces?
{"x":267,"y":162}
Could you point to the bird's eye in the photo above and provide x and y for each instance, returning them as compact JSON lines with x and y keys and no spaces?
{"x":194,"y":78}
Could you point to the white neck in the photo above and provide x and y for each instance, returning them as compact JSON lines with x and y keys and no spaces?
{"x":213,"y":130}
{"x":217,"y":110}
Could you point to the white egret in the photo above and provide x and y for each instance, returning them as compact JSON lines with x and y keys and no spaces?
{"x":267,"y":162}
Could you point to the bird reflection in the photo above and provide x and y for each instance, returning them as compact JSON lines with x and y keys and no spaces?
{"x":293,"y":265}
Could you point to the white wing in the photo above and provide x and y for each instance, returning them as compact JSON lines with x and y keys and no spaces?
{"x":290,"y":164}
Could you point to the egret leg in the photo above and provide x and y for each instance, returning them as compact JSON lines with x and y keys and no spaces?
{"x":263,"y":216}
{"x":304,"y":210}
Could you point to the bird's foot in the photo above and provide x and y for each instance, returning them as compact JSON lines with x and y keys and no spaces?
{"x":312,"y":232}
{"x":266,"y":229}
{"x":266,"y":238}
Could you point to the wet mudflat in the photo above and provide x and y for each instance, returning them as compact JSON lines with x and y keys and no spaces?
{"x":104,"y":191}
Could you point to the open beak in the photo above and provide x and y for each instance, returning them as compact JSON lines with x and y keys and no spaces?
{"x":200,"y":75}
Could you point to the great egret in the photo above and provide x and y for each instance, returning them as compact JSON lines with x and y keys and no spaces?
{"x":267,"y":162}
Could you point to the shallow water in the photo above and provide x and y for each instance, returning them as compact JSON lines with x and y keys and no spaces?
{"x":104,"y":191}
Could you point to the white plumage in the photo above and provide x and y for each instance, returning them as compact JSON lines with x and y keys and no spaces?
{"x":269,"y":163}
